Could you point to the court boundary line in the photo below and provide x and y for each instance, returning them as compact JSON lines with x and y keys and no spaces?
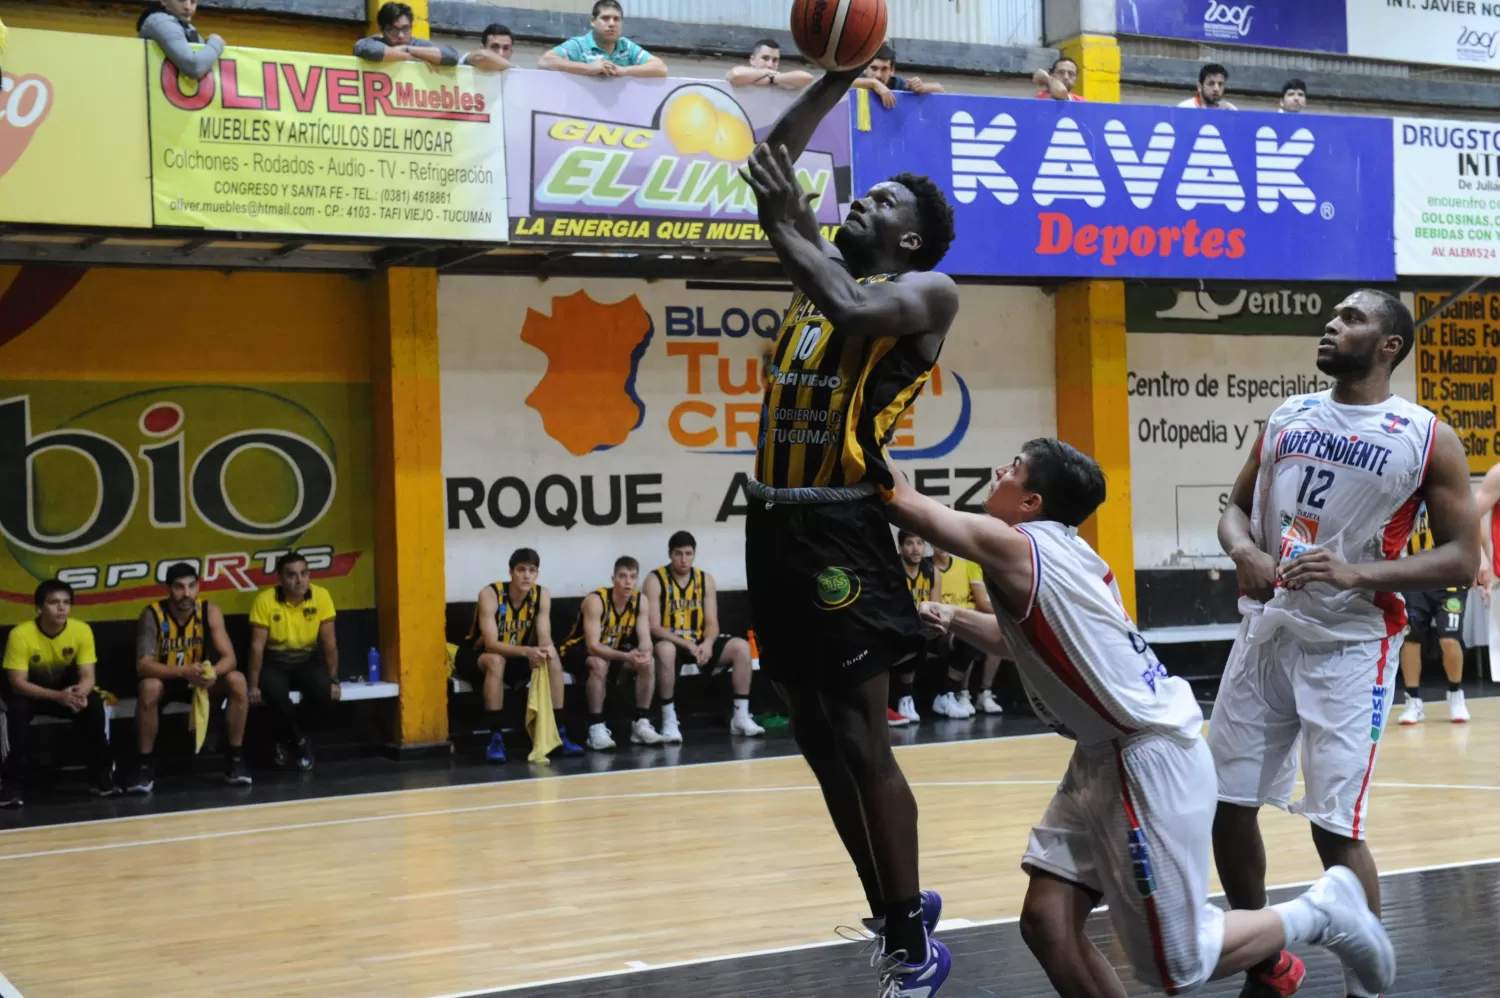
{"x":8,"y":990}
{"x":825,"y":944}
{"x":235,"y":833}
{"x":489,"y":783}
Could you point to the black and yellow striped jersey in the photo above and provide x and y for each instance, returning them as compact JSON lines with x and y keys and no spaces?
{"x":515,"y":625}
{"x":832,"y":401}
{"x":1421,"y":533}
{"x":181,"y":644}
{"x":682,"y":607}
{"x":616,"y":627}
{"x":924,"y":583}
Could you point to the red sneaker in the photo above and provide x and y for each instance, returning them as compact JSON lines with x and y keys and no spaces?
{"x":895,"y":719}
{"x":1281,"y":981}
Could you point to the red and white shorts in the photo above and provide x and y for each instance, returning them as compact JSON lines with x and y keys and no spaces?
{"x":1133,"y":820}
{"x":1335,"y":696}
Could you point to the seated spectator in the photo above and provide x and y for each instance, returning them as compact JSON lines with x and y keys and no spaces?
{"x":1213,"y":80}
{"x":169,"y":23}
{"x":604,"y":50}
{"x":396,"y":44}
{"x":880,"y":76}
{"x":1058,"y":83}
{"x":961,"y":584}
{"x":921,"y":582}
{"x":764,"y":69}
{"x":683,"y":604}
{"x":611,"y":633}
{"x":291,"y":626}
{"x":511,"y":638}
{"x":496,"y":45}
{"x":1293,"y":97}
{"x":50,"y":664}
{"x":172,"y":644}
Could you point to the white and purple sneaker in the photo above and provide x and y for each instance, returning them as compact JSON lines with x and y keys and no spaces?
{"x":899,"y":979}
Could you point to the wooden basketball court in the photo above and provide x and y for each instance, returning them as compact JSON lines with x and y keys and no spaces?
{"x":423,"y":893}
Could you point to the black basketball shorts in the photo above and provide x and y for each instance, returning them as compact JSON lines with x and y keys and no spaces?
{"x":828,"y":595}
{"x":1436,"y":611}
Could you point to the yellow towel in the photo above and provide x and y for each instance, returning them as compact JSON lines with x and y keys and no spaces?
{"x":3,"y":36}
{"x":540,"y":724}
{"x":199,"y":722}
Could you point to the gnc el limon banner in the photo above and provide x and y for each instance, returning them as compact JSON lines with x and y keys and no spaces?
{"x":73,"y":147}
{"x":299,"y":142}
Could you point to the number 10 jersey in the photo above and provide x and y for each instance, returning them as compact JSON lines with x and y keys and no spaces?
{"x":833,"y":399}
{"x":1346,"y":478}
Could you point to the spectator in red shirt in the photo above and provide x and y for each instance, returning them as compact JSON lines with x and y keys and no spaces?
{"x":1058,"y":83}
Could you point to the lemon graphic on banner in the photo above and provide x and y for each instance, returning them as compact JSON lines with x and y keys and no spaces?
{"x":699,"y":119}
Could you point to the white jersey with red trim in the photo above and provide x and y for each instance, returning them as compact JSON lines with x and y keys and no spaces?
{"x":1346,"y":478}
{"x":1086,"y":669}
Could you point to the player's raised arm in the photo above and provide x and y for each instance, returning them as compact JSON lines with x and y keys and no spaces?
{"x":1000,"y":549}
{"x":915,"y":303}
{"x":1254,"y":568}
{"x":1454,"y":557}
{"x":794,"y":129}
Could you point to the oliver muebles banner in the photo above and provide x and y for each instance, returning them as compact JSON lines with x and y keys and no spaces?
{"x":1043,"y":189}
{"x":302,"y":143}
{"x":607,"y":161}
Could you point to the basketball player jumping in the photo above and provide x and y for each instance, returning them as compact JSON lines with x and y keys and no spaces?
{"x":1315,"y":525}
{"x":1131,"y":822}
{"x":827,"y":592}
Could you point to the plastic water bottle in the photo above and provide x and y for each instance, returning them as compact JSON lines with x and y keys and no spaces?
{"x":373,"y":661}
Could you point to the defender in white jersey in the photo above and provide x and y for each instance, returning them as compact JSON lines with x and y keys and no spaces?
{"x":1316,"y":523}
{"x":1132,"y":819}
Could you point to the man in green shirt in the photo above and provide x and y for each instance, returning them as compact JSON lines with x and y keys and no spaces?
{"x":603,"y":50}
{"x":49,"y":664}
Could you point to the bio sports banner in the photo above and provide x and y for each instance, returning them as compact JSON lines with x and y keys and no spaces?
{"x":73,"y":150}
{"x":295,"y":142}
{"x":593,"y":418}
{"x":105,"y":485}
{"x":652,"y":161}
{"x":1042,"y":189}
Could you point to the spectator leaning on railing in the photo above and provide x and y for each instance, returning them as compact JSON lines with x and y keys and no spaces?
{"x":396,"y":44}
{"x":1213,"y":80}
{"x":496,"y":46}
{"x":1058,"y":82}
{"x":1293,"y":97}
{"x":764,"y":69}
{"x":169,"y":24}
{"x":880,"y":76}
{"x":603,"y":50}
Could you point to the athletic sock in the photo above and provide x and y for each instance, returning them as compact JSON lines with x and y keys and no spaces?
{"x":900,"y":687}
{"x":1454,"y":687}
{"x":642,"y":713}
{"x":742,"y":705}
{"x":1301,"y":922}
{"x":493,"y":717}
{"x":954,"y":684}
{"x":1413,"y":692}
{"x":668,"y":709}
{"x":904,"y":932}
{"x":235,"y":752}
{"x":596,"y":718}
{"x":557,"y":718}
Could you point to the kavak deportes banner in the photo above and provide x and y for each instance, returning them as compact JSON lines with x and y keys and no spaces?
{"x":652,"y":161}
{"x":106,"y":485}
{"x":590,"y":419}
{"x":1043,"y":189}
{"x":1447,"y":197}
{"x":73,"y":147}
{"x":302,"y":143}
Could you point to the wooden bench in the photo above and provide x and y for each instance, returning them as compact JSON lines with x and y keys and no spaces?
{"x":350,"y":692}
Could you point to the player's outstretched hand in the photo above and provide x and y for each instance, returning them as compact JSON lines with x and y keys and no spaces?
{"x":1256,"y":573}
{"x":772,"y":175}
{"x":936,"y":618}
{"x":1319,"y":565}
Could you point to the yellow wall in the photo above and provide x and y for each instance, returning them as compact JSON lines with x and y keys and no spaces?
{"x":248,"y":30}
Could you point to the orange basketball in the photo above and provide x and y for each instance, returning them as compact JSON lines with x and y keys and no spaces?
{"x":839,"y":34}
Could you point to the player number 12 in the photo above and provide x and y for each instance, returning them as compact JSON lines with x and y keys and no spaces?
{"x":1314,"y":497}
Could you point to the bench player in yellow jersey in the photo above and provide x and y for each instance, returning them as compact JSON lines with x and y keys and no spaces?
{"x":611,"y":633}
{"x":921,"y":583}
{"x":684,"y":606}
{"x":510,"y":638}
{"x":832,"y":616}
{"x":1436,"y":613}
{"x":174,"y":639}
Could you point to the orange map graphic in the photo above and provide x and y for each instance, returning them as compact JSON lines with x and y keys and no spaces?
{"x":587,"y":398}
